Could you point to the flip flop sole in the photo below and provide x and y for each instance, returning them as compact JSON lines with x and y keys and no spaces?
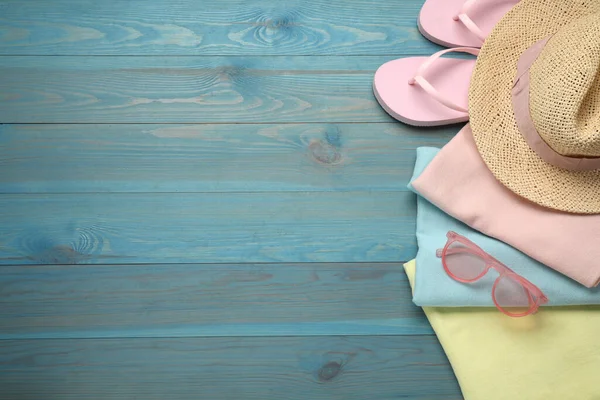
{"x":436,"y":21}
{"x":410,"y":103}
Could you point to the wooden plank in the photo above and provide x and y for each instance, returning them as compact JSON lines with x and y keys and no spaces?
{"x":294,"y":368}
{"x":207,"y":228}
{"x":189,"y":89}
{"x":209,"y":158}
{"x":186,"y":300}
{"x":229,"y":27}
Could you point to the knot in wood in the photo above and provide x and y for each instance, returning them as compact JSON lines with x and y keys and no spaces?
{"x":324,"y":153}
{"x":329,"y":371}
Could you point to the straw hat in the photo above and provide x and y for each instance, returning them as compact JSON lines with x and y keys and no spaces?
{"x":534,"y":103}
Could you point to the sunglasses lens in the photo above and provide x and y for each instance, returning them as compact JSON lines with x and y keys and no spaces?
{"x":512,"y":297}
{"x":463,"y":263}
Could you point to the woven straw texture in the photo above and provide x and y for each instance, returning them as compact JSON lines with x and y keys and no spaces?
{"x":564,"y":101}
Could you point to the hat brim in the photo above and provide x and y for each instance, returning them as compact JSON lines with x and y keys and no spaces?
{"x":501,"y":145}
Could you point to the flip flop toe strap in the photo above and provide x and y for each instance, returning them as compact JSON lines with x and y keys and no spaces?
{"x":419,"y":78}
{"x":468,"y":22}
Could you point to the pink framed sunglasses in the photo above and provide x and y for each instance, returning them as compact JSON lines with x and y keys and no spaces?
{"x":466,"y":262}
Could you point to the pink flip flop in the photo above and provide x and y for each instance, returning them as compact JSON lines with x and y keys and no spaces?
{"x":426,"y":91}
{"x":461,"y":23}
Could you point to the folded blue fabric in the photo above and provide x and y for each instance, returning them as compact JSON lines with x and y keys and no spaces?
{"x":435,"y":288}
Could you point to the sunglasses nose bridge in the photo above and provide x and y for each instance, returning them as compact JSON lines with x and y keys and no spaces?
{"x":487,"y":268}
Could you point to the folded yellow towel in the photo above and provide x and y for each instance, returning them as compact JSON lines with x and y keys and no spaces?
{"x":554,"y":354}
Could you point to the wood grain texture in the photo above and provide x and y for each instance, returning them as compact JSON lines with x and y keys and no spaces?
{"x":207,"y":228}
{"x":229,"y":27}
{"x":189,"y":89}
{"x":294,"y":368}
{"x":188,"y":300}
{"x":210,"y":158}
{"x":203,"y":200}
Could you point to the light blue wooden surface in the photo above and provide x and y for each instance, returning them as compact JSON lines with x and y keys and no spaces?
{"x":142,"y":228}
{"x":226,"y":27}
{"x":221,"y":158}
{"x":204,"y":200}
{"x":235,"y":300}
{"x":295,"y":368}
{"x":161,"y":89}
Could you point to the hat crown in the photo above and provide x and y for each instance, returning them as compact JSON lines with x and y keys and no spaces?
{"x":565,"y":89}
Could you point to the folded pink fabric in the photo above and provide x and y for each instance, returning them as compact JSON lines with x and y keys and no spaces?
{"x":458,"y":182}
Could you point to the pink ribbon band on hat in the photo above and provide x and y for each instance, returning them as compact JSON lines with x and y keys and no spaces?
{"x":520,"y":101}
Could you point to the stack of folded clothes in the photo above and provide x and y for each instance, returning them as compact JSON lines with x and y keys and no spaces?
{"x":508,"y":220}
